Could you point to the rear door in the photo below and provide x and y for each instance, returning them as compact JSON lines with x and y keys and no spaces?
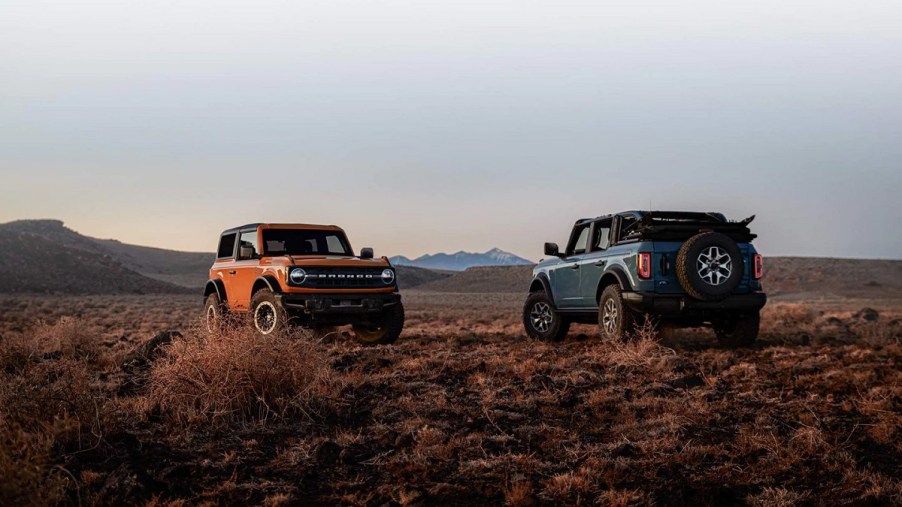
{"x":594,"y":263}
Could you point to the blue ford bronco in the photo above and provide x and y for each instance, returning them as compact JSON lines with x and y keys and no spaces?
{"x":681,"y":269}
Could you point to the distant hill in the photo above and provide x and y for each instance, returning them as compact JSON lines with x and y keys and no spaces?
{"x":461,"y":261}
{"x":784,"y":276}
{"x":188,"y":269}
{"x":32,"y":250}
{"x":840,"y":277}
{"x":410,"y":277}
{"x":34,"y":263}
{"x":484,"y":279}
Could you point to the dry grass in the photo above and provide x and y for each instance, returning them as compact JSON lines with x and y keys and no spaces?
{"x":462,"y":410}
{"x":238,"y":376}
{"x":27,"y":474}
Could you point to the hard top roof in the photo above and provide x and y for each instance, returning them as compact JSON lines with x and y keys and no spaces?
{"x":685,"y":215}
{"x":282,"y":226}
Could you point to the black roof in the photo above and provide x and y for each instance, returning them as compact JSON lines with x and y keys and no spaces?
{"x":241,"y":228}
{"x":685,"y":215}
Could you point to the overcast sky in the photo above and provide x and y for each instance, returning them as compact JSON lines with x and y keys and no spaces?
{"x":422,"y":126}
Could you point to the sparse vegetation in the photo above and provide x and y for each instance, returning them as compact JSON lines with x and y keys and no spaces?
{"x":462,"y":410}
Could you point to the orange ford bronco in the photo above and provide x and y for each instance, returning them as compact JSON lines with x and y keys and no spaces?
{"x":305,"y":274}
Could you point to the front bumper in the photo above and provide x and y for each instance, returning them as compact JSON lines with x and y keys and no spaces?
{"x":337,"y":309}
{"x":665,"y":304}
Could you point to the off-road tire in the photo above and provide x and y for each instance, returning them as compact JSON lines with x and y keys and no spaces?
{"x":616,"y":321}
{"x":384,"y":333}
{"x":214,"y":314}
{"x":738,"y":331}
{"x":541,"y":319}
{"x":267,"y":315}
{"x":688,"y":266}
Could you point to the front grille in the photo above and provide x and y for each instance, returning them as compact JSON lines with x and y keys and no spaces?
{"x":344,"y":278}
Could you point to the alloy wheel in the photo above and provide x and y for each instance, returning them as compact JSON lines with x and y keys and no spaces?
{"x":609,"y":316}
{"x":714,"y":266}
{"x":541,"y":317}
{"x":265,"y":317}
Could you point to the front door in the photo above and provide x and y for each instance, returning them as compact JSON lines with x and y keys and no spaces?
{"x":224,"y":266}
{"x":565,"y":276}
{"x":245,"y":269}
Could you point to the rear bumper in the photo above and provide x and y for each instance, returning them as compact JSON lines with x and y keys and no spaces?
{"x":337,"y":309}
{"x":663,"y":304}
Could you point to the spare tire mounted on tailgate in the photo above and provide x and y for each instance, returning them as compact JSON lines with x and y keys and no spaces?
{"x":709,"y":266}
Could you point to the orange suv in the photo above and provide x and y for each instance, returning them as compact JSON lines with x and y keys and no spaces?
{"x":306,"y":274}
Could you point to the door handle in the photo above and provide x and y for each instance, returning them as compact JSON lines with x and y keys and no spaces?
{"x":601,"y":264}
{"x":232,"y":272}
{"x":575,"y":266}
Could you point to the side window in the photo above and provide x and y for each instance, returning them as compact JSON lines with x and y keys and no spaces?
{"x":627,"y":228}
{"x":602,"y":236}
{"x":248,"y":239}
{"x":226,"y":246}
{"x":579,"y":246}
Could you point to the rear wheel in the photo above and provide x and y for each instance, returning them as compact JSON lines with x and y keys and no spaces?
{"x":213,"y":313}
{"x":616,"y":321}
{"x":738,"y":330}
{"x":385,"y":332}
{"x":267,"y":314}
{"x":541,"y":319}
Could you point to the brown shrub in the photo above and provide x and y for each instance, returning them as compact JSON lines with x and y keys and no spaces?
{"x":53,"y":397}
{"x":519,"y":494}
{"x":69,"y":336}
{"x":46,"y":403}
{"x":642,"y":349}
{"x":26,"y":474}
{"x":238,"y":376}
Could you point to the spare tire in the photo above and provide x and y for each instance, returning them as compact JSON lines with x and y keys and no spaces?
{"x":709,"y":266}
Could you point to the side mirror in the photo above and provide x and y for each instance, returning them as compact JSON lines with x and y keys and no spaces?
{"x":366,"y":253}
{"x":552,"y":250}
{"x":246,"y":252}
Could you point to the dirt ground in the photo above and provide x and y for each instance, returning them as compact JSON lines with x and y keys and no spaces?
{"x":463,"y":410}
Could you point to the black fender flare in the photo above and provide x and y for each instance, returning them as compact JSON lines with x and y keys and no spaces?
{"x":615,"y":273}
{"x":215,"y":286}
{"x":269,"y":282}
{"x":622,"y":278}
{"x":542,"y":279}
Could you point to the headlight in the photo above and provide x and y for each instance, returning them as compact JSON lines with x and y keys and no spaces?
{"x":388,"y":277}
{"x":297,"y":276}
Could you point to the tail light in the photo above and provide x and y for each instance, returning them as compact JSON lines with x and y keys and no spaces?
{"x":759,"y":267}
{"x":643,"y":265}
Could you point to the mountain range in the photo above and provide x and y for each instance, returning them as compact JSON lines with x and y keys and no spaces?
{"x":462,"y":261}
{"x":45,"y":256}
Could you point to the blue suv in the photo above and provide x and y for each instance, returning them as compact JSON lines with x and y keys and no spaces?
{"x":679,"y":268}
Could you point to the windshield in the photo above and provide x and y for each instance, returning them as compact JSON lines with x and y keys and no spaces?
{"x":305,"y":242}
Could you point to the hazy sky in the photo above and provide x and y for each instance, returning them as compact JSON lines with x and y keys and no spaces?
{"x":422,"y":126}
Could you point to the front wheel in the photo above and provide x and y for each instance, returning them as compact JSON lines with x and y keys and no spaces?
{"x":541,"y":320}
{"x":267,"y":314}
{"x":738,"y":331}
{"x":385,"y":332}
